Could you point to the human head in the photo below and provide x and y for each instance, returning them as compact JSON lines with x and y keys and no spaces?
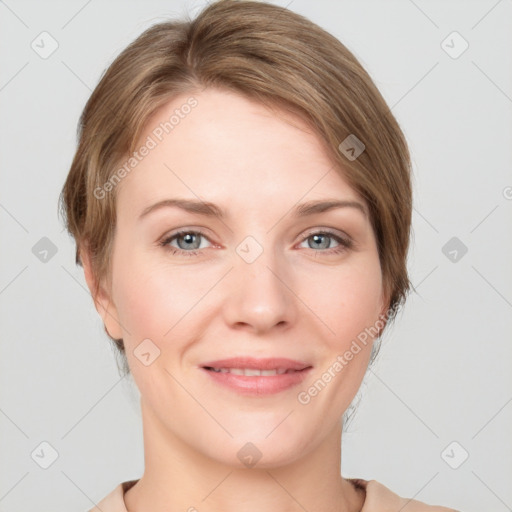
{"x":273,"y":56}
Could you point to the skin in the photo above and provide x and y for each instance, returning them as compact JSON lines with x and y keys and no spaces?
{"x":295,"y":300}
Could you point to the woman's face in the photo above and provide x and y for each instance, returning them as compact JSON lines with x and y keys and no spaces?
{"x":262,"y":281}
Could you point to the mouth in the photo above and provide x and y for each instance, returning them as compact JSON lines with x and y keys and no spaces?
{"x":251,"y":366}
{"x":253,"y":372}
{"x":251,"y":376}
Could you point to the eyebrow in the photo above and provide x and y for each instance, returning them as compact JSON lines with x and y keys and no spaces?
{"x":212,"y":210}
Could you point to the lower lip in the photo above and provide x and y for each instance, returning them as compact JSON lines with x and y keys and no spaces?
{"x":258,"y":385}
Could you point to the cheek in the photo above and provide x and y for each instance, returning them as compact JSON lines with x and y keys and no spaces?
{"x":351,"y":299}
{"x":156,"y":301}
{"x":148,"y":306}
{"x":142,"y":296}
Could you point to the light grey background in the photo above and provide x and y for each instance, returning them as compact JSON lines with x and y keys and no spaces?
{"x":444,"y":372}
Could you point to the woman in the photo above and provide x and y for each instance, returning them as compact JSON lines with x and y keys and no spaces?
{"x":255,"y":137}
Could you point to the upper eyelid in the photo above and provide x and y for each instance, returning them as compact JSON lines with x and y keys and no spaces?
{"x":328,"y":231}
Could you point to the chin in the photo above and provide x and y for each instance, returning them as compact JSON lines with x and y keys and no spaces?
{"x":258,"y":450}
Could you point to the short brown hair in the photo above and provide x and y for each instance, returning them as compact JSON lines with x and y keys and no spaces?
{"x":273,"y":56}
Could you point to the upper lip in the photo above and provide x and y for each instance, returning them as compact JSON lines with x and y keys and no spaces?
{"x":258,"y":364}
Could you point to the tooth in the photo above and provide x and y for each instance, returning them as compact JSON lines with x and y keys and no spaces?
{"x":251,"y":372}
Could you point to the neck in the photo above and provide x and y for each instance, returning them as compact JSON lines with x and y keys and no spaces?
{"x":177,"y":477}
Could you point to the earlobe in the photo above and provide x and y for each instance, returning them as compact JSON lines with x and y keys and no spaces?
{"x":102,"y":300}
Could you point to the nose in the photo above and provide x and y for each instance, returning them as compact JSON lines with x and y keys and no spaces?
{"x":259,"y":295}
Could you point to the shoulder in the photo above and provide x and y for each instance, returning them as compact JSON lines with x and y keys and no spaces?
{"x":379,"y":498}
{"x":114,"y":501}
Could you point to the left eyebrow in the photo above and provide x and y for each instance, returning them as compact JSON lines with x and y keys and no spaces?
{"x":212,"y":210}
{"x":312,"y":207}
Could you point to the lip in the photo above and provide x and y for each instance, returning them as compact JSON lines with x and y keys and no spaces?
{"x":258,"y":385}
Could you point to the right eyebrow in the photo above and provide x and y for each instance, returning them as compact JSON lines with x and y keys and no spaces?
{"x":190,"y":205}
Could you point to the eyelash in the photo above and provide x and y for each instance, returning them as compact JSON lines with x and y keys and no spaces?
{"x":344,"y":243}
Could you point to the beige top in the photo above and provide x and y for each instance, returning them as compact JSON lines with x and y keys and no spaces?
{"x":378,"y":499}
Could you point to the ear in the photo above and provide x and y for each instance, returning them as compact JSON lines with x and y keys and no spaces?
{"x":102,"y":302}
{"x":384,"y":311}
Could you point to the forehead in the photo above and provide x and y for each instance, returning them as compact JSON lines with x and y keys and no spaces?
{"x":230,"y":149}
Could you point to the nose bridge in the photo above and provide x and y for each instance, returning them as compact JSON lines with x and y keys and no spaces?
{"x":258,"y":296}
